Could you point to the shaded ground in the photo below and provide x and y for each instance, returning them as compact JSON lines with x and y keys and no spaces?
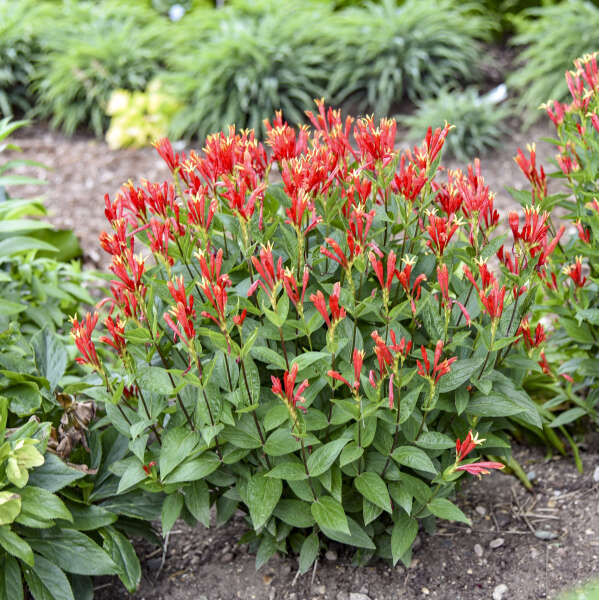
{"x":83,"y":169}
{"x":536,"y":543}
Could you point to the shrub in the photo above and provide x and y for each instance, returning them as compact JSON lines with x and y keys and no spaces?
{"x":567,"y":380}
{"x":480,"y":120}
{"x":309,"y":351}
{"x":258,"y":59}
{"x":549,"y":37}
{"x":139,"y":118}
{"x":59,"y":522}
{"x":91,"y":49}
{"x":409,"y":51}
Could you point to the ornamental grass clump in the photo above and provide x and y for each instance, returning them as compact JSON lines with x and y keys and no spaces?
{"x":312,"y":348}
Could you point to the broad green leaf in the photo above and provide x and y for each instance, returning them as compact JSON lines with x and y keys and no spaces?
{"x":177,"y":445}
{"x":197,"y":501}
{"x":133,"y":474}
{"x":89,"y":517}
{"x":263,"y":494}
{"x":10,"y":507}
{"x":24,"y":398}
{"x":46,"y":581}
{"x":11,"y":586}
{"x":194,"y":469}
{"x":357,"y":536}
{"x":373,"y":488}
{"x":40,"y":503}
{"x":281,"y":442}
{"x":288,"y":470}
{"x":305,"y":359}
{"x":403,"y":535}
{"x":54,"y":474}
{"x":15,"y":545}
{"x":415,"y":458}
{"x":268,"y":356}
{"x":434,"y":440}
{"x":19,"y":243}
{"x":50,"y":356}
{"x":329,"y":515}
{"x":408,"y":403}
{"x":445,"y":509}
{"x":123,"y":554}
{"x":72,"y":551}
{"x":155,"y":380}
{"x":494,"y":405}
{"x":296,"y":513}
{"x":323,"y":457}
{"x":460,"y":372}
{"x":308,"y":552}
{"x":171,"y":509}
{"x":9,"y":309}
{"x":350,"y":453}
{"x":568,"y":416}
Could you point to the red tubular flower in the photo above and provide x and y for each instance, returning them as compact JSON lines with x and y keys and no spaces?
{"x":493,"y":300}
{"x":337,"y":312}
{"x":214,"y":285}
{"x":584,"y":233}
{"x":480,"y":468}
{"x":165,"y":150}
{"x":300,"y":203}
{"x":575,"y":272}
{"x":148,"y":468}
{"x":558,"y":112}
{"x":339,"y":255}
{"x":291,"y":288}
{"x":159,"y":236}
{"x":359,"y":227}
{"x":265,"y":266}
{"x":549,"y":247}
{"x":524,"y":332}
{"x":242,"y":196}
{"x":439,"y":368}
{"x":81,"y":333}
{"x":413,"y":291}
{"x":283,"y":140}
{"x":408,"y":181}
{"x":382,"y":352}
{"x":129,"y":269}
{"x":534,"y":231}
{"x":446,"y":301}
{"x":358,"y":360}
{"x":290,"y":396}
{"x":198,"y":214}
{"x":440,"y":230}
{"x":431,"y":147}
{"x":119,"y":241}
{"x":240,"y":318}
{"x":545,"y":367}
{"x":376,"y":144}
{"x":179,"y":295}
{"x":537,"y":177}
{"x":182,"y":326}
{"x":464,"y":448}
{"x":385,"y":280}
{"x":117,"y":333}
{"x":329,"y":124}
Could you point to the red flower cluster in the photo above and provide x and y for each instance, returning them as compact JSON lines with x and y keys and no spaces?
{"x":464,"y":448}
{"x":291,"y":396}
{"x":438,"y":368}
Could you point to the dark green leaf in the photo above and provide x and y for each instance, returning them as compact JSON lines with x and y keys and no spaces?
{"x":403,"y":535}
{"x":415,"y":458}
{"x":123,"y":554}
{"x":329,"y":515}
{"x":373,"y":488}
{"x":46,"y":581}
{"x":309,"y":552}
{"x":444,"y":509}
{"x":263,"y":494}
{"x":50,"y":356}
{"x":323,"y":457}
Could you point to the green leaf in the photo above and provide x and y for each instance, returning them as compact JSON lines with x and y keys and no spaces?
{"x":9,"y":309}
{"x":357,"y":537}
{"x":268,"y":356}
{"x":323,"y":457}
{"x":177,"y":445}
{"x":444,"y":509}
{"x":350,"y":453}
{"x":11,"y":586}
{"x":50,"y":356}
{"x":291,"y":471}
{"x":15,"y":545}
{"x":24,"y":398}
{"x":403,"y":535}
{"x":39,"y":503}
{"x":281,"y":442}
{"x":296,"y":513}
{"x":263,"y":494}
{"x":415,"y":458}
{"x":133,"y":474}
{"x":88,"y":518}
{"x":197,"y":501}
{"x":54,"y":474}
{"x":19,"y":243}
{"x":72,"y":551}
{"x":568,"y":416}
{"x":494,"y":405}
{"x":433,"y":440}
{"x":408,"y":404}
{"x":373,"y":488}
{"x":305,"y":359}
{"x":171,"y":509}
{"x":329,"y":515}
{"x":308,"y":552}
{"x":46,"y":581}
{"x":460,"y":372}
{"x":155,"y":380}
{"x":194,"y":469}
{"x":123,"y":554}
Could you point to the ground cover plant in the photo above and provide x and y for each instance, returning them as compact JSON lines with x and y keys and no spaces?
{"x":568,"y":381}
{"x":324,"y":354}
{"x":59,"y":522}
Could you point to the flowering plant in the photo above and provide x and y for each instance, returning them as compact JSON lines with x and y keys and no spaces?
{"x":566,"y":379}
{"x":307,"y":333}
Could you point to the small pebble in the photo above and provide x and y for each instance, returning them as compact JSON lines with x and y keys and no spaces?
{"x":596,"y":474}
{"x":319,"y":589}
{"x":425,"y":591}
{"x":481,"y":510}
{"x":331,"y":555}
{"x":499,"y":591}
{"x":227,"y":558}
{"x":478,"y":550}
{"x":545,"y":535}
{"x":534,"y":553}
{"x":531,"y":475}
{"x":342,"y":596}
{"x":358,"y":596}
{"x":496,"y":543}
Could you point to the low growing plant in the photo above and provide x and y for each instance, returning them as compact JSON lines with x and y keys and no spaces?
{"x":480,"y":119}
{"x":568,"y":382}
{"x":310,"y":351}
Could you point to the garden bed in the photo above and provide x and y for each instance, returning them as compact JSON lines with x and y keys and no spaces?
{"x":456,"y":562}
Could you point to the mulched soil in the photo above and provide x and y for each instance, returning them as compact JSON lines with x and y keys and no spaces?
{"x":535,"y":543}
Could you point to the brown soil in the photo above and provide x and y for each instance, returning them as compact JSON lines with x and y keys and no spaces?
{"x":550,"y":543}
